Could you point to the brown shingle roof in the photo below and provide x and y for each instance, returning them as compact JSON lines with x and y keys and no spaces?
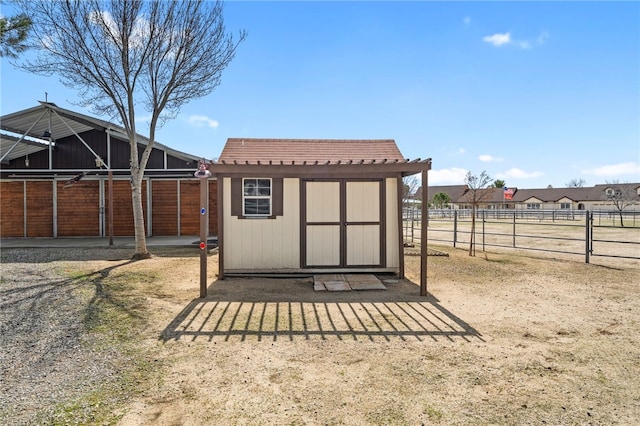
{"x":252,"y":151}
{"x":455,"y":192}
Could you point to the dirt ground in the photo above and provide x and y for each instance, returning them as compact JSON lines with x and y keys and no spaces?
{"x":503,"y":338}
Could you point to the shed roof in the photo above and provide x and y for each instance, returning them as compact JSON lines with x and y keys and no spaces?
{"x":297,"y":151}
{"x":317,"y":157}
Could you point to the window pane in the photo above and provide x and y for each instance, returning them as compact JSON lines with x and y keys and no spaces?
{"x":257,"y":197}
{"x":250,"y":187}
{"x":264,"y":206}
{"x":250,"y":206}
{"x":265,"y":192}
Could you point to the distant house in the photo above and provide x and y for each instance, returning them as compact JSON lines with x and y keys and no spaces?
{"x":54,"y":179}
{"x":592,"y":198}
{"x":302,"y":205}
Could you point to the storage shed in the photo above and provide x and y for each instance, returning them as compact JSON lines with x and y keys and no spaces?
{"x":66,"y":174}
{"x":306,"y":205}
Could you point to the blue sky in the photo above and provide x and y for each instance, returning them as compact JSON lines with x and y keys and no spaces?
{"x":533,"y":93}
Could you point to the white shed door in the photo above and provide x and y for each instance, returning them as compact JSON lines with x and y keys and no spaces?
{"x":342,"y":223}
{"x":363,"y":223}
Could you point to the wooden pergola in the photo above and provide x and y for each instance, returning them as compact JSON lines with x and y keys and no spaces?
{"x":317,"y":169}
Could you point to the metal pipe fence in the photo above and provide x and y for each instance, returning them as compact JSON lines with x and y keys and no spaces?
{"x":582,"y":232}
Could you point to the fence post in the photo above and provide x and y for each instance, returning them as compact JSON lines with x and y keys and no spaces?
{"x":484,"y":219}
{"x":455,"y":227}
{"x":587,"y":238}
{"x":513,"y":243}
{"x":413,"y":226}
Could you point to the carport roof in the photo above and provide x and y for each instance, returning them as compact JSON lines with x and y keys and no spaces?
{"x":21,"y":148}
{"x":60,"y":123}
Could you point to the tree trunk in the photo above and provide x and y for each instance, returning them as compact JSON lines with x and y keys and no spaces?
{"x":138,"y":216}
{"x":472,"y":236}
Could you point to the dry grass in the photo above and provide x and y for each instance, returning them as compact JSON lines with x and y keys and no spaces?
{"x":503,"y":338}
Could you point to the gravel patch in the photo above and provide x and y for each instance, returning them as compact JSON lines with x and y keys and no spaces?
{"x":46,"y":356}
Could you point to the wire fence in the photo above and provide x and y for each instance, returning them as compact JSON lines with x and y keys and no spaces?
{"x":582,"y":233}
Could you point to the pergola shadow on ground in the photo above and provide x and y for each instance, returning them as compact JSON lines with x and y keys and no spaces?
{"x":288,"y":309}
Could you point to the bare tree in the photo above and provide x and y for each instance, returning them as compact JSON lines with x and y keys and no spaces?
{"x":576,"y":183}
{"x":124,"y":56}
{"x":621,"y":196}
{"x":410,"y":186}
{"x":478,"y":189}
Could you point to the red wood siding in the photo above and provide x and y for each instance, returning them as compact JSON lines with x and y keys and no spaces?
{"x":39,"y":209}
{"x":190,"y":207}
{"x":79,"y":209}
{"x":123,"y":207}
{"x":11,"y":209}
{"x":164,"y":205}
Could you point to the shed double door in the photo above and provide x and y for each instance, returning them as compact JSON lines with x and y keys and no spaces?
{"x":342,"y":223}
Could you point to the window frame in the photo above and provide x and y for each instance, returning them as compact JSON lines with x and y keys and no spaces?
{"x":257,"y":197}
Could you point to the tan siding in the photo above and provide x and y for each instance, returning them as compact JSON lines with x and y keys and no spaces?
{"x":11,"y":209}
{"x":323,"y":245}
{"x":363,"y":245}
{"x":39,"y":209}
{"x":363,"y":201}
{"x":393,"y":255}
{"x":78,"y":209}
{"x":323,"y":201}
{"x":363,"y":241}
{"x":263,"y":243}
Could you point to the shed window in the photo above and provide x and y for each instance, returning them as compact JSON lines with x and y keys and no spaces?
{"x":256,"y":197}
{"x":533,"y":206}
{"x":565,"y":206}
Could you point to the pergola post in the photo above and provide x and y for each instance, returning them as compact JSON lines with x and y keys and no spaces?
{"x":423,"y":233}
{"x":204,"y":225}
{"x":399,"y":188}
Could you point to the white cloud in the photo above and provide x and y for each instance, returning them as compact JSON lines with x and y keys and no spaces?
{"x":498,"y":39}
{"x":461,"y":150}
{"x":521,"y":174}
{"x":486,"y":158}
{"x":466,"y":20}
{"x":452,"y":176}
{"x":613,"y":170}
{"x":203,"y":120}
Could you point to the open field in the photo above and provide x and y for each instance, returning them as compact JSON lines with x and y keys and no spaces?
{"x":562,"y":236}
{"x":504,"y":338}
